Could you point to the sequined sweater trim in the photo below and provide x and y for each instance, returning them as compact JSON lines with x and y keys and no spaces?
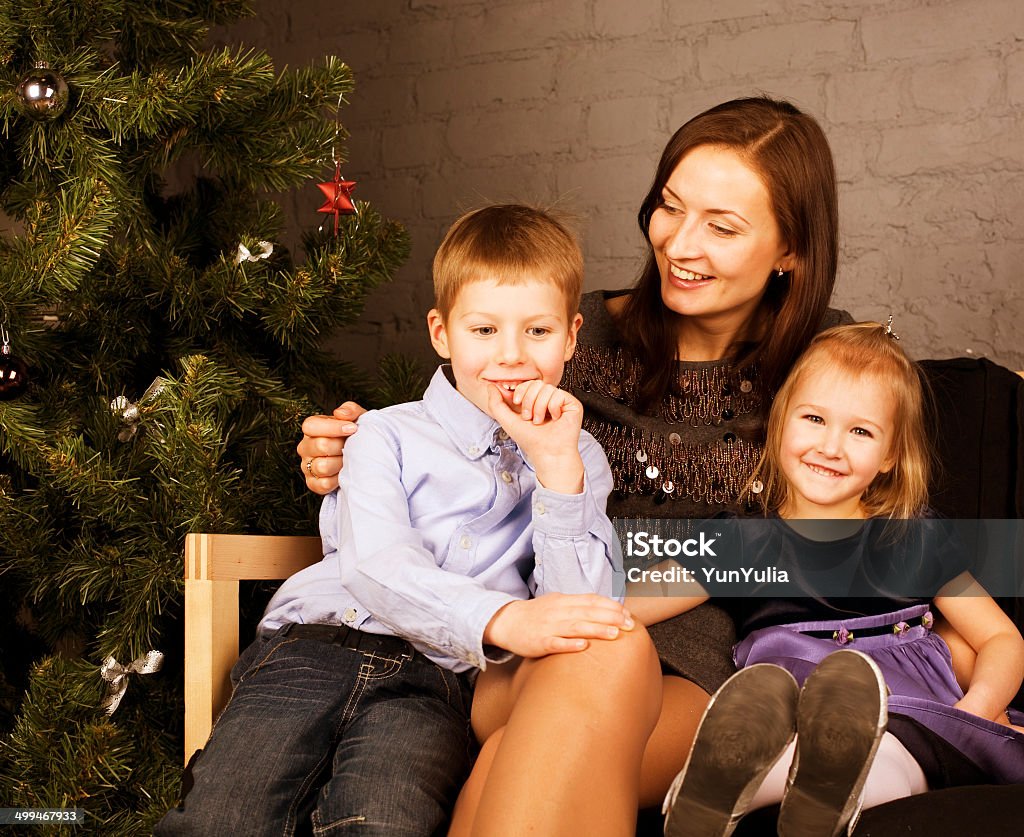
{"x":700,"y":447}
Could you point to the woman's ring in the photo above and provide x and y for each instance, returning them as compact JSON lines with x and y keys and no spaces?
{"x":309,"y":466}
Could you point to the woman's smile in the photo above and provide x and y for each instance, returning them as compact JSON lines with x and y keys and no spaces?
{"x":715,"y":240}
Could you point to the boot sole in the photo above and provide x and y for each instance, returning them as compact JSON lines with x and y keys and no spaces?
{"x":840,"y":721}
{"x":743,"y":732}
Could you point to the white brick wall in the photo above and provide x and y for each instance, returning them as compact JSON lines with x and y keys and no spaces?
{"x":459,"y":102}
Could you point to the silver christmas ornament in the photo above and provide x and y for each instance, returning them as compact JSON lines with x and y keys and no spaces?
{"x":13,"y":371}
{"x":43,"y":92}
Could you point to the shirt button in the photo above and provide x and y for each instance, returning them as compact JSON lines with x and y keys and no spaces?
{"x":466,"y":542}
{"x":473,"y":660}
{"x":502,"y":435}
{"x":474,"y":450}
{"x":349,"y":615}
{"x":506,"y":476}
{"x":539,"y":508}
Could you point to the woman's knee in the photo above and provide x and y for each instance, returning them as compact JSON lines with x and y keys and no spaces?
{"x":628,"y":658}
{"x":623,"y":672}
{"x":619,"y":678}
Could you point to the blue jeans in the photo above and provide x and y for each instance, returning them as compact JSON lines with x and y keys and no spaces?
{"x":323,"y":738}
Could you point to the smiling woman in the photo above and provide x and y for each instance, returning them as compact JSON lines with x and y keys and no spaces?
{"x":716,"y":244}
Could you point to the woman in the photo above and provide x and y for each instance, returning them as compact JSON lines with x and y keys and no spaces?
{"x":676,"y":376}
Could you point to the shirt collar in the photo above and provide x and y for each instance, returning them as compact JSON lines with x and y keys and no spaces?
{"x":471,"y":430}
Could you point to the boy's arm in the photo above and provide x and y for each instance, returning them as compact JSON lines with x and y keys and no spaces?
{"x":547,"y":429}
{"x":385,"y":563}
{"x":575,"y":546}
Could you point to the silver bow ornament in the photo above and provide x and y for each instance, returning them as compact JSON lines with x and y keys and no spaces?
{"x":117,"y":676}
{"x":244,"y":255}
{"x":130,"y":412}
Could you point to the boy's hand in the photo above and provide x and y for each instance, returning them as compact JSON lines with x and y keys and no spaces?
{"x":556,"y":623}
{"x":545,"y":422}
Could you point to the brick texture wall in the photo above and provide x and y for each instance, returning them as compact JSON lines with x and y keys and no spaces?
{"x":460,"y":102}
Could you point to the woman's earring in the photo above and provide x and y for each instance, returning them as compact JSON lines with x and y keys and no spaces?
{"x":781,"y":272}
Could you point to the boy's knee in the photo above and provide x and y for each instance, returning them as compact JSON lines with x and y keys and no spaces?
{"x":193,"y":816}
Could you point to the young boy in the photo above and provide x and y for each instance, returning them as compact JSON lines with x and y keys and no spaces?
{"x":454,"y":516}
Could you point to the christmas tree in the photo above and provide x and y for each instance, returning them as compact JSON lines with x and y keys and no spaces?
{"x":160,"y":350}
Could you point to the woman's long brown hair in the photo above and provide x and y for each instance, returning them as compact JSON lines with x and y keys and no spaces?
{"x":790,"y":153}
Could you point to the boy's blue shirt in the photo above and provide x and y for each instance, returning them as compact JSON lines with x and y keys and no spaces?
{"x":439,"y":522}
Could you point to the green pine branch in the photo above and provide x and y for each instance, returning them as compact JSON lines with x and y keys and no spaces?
{"x":168,"y":385}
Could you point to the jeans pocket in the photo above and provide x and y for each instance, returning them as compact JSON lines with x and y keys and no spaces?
{"x":322,"y":829}
{"x":459,"y":693}
{"x":376,"y":667}
{"x":245,"y":660}
{"x":262,"y":652}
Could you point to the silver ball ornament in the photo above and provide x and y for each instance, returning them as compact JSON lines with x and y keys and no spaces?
{"x":43,"y":93}
{"x":13,"y":374}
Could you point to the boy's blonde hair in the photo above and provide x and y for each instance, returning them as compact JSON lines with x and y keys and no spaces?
{"x":509,"y":243}
{"x":858,"y":350}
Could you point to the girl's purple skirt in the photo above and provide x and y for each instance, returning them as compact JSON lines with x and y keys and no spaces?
{"x":918,"y":670}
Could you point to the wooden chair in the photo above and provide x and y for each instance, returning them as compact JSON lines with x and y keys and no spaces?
{"x":214,"y":564}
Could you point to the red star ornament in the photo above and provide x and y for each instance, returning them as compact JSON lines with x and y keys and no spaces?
{"x":339,"y":197}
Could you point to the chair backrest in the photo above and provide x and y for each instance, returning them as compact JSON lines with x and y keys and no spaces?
{"x":214,"y":564}
{"x":979,"y":438}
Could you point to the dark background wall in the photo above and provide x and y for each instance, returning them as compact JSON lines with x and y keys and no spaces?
{"x":459,"y":102}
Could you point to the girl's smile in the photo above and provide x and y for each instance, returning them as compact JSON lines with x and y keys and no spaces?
{"x":836,"y":439}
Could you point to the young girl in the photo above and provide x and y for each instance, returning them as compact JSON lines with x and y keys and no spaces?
{"x":846,"y":442}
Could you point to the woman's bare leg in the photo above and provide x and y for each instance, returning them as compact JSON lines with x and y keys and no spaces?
{"x":469,"y":797}
{"x":568,"y":759}
{"x":493,"y":700}
{"x":682,"y":705}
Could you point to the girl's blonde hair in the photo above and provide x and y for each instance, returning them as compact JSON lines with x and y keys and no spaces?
{"x":858,"y":350}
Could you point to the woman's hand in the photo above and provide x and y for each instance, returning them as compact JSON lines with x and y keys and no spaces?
{"x":322,"y":446}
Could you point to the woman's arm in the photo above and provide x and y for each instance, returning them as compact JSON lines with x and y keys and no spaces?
{"x":322,"y":446}
{"x":656,"y":593}
{"x":999,"y":667}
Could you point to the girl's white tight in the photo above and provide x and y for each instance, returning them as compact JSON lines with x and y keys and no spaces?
{"x":893,"y":774}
